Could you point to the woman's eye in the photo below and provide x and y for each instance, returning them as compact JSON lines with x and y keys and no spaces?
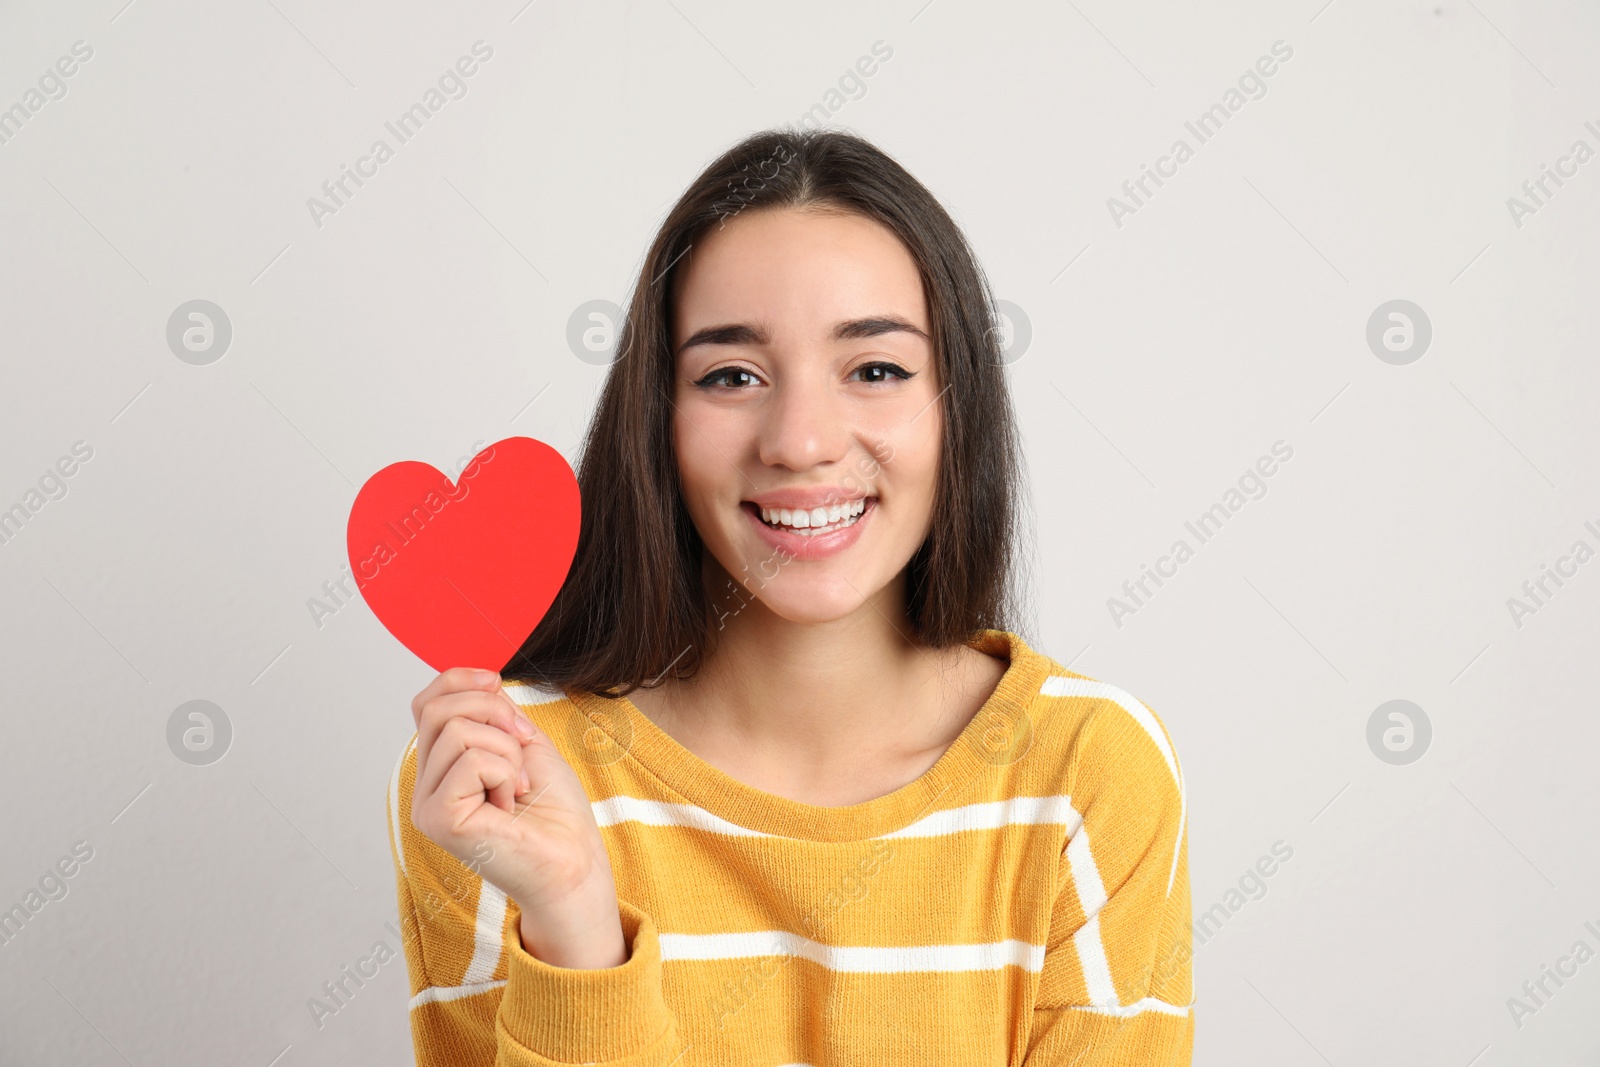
{"x":721,"y":375}
{"x":886,"y":368}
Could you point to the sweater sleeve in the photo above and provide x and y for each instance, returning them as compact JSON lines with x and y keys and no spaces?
{"x":1116,"y":987}
{"x":479,"y":998}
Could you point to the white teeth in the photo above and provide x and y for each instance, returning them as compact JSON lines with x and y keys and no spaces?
{"x":837,"y":516}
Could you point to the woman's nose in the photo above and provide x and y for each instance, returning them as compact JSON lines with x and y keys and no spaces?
{"x":804,"y":424}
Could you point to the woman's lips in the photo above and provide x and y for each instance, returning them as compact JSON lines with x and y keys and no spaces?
{"x":809,"y":546}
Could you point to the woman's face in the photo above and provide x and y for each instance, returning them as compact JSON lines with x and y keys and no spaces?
{"x":805,"y":381}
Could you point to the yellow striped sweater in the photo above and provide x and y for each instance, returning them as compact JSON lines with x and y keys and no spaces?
{"x":1023,"y":902}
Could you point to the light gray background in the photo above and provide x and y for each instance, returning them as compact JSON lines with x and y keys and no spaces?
{"x":1167,"y":355}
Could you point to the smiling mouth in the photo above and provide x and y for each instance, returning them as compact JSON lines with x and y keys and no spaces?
{"x":841,"y":517}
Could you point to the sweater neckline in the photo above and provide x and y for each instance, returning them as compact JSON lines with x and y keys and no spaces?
{"x":722,"y":795}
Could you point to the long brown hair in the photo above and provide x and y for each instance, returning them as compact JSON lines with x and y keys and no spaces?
{"x":633,"y":606}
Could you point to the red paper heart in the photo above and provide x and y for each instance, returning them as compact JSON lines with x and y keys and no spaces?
{"x":462,"y":573}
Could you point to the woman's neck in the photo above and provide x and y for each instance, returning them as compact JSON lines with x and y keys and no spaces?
{"x":819,"y":702}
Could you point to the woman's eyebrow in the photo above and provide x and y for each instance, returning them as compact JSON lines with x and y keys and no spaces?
{"x":873,"y":326}
{"x":735,"y":334}
{"x":849,"y":330}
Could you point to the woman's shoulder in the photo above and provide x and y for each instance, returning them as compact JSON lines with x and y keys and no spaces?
{"x":1097,"y":722}
{"x":566,"y":716}
{"x":552,"y":708}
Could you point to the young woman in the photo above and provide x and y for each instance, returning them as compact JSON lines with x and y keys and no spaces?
{"x":773,"y":782}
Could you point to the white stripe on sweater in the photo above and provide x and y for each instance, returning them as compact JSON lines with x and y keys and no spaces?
{"x":1136,"y":1008}
{"x":394,"y":803}
{"x":988,"y":815}
{"x":436,"y":993}
{"x":488,"y":937}
{"x":993,"y":814}
{"x":842,"y":959}
{"x":619,"y":809}
{"x":1087,"y":942}
{"x":532,"y":694}
{"x":860,"y":959}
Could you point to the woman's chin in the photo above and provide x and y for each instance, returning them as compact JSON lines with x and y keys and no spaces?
{"x":797,"y":604}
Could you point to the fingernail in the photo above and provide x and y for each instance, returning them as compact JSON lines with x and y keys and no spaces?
{"x":485,"y":677}
{"x":526,"y":785}
{"x":522,"y":726}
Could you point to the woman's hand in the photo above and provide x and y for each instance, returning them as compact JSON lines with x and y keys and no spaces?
{"x":488,"y":777}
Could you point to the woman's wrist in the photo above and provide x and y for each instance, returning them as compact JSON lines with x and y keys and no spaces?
{"x":583,"y":930}
{"x":587,"y":940}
